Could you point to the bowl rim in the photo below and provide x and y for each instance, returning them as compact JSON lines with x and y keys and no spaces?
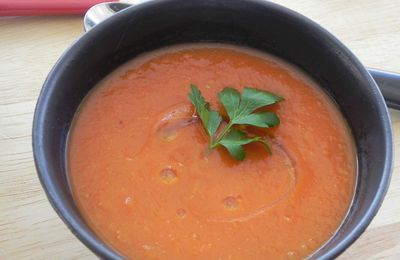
{"x":104,"y":251}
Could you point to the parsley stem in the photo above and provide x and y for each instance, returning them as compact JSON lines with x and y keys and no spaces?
{"x":221,"y":135}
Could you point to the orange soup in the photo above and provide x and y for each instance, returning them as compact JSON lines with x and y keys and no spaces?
{"x":145,"y":183}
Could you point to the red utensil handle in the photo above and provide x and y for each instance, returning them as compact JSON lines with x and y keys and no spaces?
{"x":46,"y":7}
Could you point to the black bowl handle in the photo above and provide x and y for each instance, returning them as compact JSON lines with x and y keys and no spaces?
{"x":389,"y":84}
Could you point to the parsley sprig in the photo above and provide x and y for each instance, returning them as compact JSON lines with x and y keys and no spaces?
{"x":241,"y":110}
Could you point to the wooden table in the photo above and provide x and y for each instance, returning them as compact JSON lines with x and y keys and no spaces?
{"x":29,"y":227}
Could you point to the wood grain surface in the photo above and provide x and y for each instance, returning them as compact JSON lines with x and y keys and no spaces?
{"x":29,"y":47}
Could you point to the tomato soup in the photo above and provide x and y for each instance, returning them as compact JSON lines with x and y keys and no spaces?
{"x":144,"y":181}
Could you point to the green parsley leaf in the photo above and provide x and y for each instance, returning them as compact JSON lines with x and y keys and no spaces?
{"x":211,"y":119}
{"x":239,"y":108}
{"x":234,"y":140}
{"x":262,"y":119}
{"x":230,"y":98}
{"x":253,"y":98}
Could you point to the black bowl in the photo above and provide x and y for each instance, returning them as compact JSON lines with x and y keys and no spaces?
{"x":257,"y":24}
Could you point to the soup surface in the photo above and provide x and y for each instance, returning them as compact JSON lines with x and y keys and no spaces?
{"x":143,"y":180}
